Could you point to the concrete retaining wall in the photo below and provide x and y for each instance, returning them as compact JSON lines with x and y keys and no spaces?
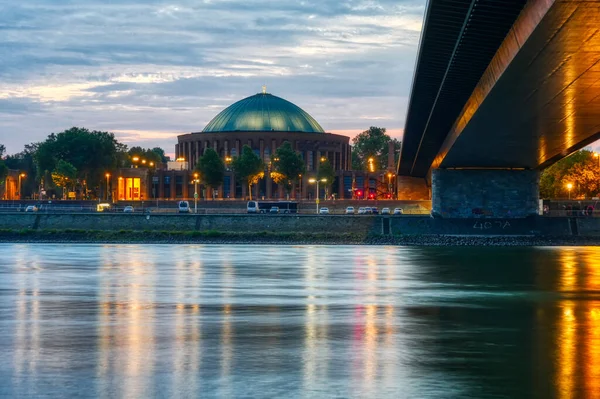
{"x":526,"y":226}
{"x":414,"y":225}
{"x":225,"y":223}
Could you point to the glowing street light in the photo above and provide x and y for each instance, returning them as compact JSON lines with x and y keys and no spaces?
{"x":317,"y":181}
{"x":107,"y":177}
{"x":569,"y":187}
{"x":135,"y":160}
{"x":371,"y":164}
{"x":597,"y":156}
{"x":21,"y":176}
{"x":196,"y":180}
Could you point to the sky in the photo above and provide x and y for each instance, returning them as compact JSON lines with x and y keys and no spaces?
{"x":151,"y":70}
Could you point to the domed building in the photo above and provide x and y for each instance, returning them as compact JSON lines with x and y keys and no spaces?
{"x":264,"y":122}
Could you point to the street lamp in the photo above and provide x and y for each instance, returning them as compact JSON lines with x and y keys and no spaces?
{"x":21,"y":176}
{"x":569,"y":187}
{"x":597,"y":156}
{"x":107,"y":177}
{"x":196,"y":192}
{"x":317,"y":195}
{"x":371,"y":164}
{"x":151,"y":164}
{"x":135,"y":160}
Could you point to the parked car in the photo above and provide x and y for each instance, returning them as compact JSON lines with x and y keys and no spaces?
{"x":31,"y":208}
{"x":385,"y":211}
{"x":374,"y":210}
{"x":398,"y":211}
{"x":362,"y":211}
{"x":324,"y":211}
{"x":184,"y":207}
{"x":128,"y":209}
{"x":350,"y":210}
{"x":274,"y":209}
{"x":368,"y":210}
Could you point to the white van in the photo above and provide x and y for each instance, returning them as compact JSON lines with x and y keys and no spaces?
{"x":252,"y":207}
{"x":184,"y":207}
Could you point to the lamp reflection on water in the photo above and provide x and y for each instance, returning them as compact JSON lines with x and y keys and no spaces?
{"x":578,"y":328}
{"x":316,"y":320}
{"x":27,"y":325}
{"x":126,"y":321}
{"x":187,"y":345}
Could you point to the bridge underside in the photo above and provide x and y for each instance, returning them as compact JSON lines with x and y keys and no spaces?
{"x":544,"y":106}
{"x":536,"y":101}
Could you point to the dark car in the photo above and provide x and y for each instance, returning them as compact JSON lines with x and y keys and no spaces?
{"x":375,"y":210}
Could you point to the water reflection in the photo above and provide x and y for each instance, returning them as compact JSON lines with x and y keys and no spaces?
{"x":306,"y":321}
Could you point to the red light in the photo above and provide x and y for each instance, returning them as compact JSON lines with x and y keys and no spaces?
{"x":359,"y":193}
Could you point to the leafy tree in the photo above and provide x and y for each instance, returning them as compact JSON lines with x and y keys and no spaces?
{"x":580,"y":169}
{"x":326,"y":172}
{"x":289,"y":164}
{"x":248,"y":167}
{"x":146,"y":154}
{"x":161,"y":153}
{"x":373,"y":143}
{"x":3,"y":167}
{"x":3,"y":171}
{"x":64,"y":175}
{"x":92,"y":153}
{"x":211,"y":168}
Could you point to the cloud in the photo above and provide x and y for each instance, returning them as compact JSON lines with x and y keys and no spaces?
{"x":149,"y":70}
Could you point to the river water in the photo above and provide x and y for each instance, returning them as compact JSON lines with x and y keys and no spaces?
{"x":248,"y":321}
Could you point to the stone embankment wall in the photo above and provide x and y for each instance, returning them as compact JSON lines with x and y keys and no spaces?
{"x":224,"y":223}
{"x":402,"y":225}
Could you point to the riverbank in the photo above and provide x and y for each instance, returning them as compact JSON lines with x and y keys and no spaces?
{"x":265,"y":237}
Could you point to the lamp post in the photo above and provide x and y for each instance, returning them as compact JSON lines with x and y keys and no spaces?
{"x":21,"y":176}
{"x":597,"y":156}
{"x":195,"y":192}
{"x":317,"y":194}
{"x":135,"y":160}
{"x":107,"y":177}
{"x":569,"y":187}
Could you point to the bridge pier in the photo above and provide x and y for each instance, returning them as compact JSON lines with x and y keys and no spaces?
{"x":470,"y":193}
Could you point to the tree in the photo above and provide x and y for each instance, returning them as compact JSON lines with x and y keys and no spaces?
{"x":145,"y":154}
{"x":64,"y":175}
{"x":161,"y":153}
{"x":373,"y":143}
{"x":289,"y":164}
{"x":248,"y":167}
{"x":326,"y":171}
{"x":3,"y":167}
{"x":92,"y":153}
{"x":211,"y":168}
{"x":3,"y":171}
{"x":580,"y":169}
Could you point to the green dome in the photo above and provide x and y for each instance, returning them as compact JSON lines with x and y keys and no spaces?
{"x":263,"y":112}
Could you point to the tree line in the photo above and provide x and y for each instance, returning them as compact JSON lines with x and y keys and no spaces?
{"x":74,"y":160}
{"x":577,"y":175}
{"x":77,"y":159}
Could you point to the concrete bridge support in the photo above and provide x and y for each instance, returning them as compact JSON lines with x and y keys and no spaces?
{"x":485,"y":193}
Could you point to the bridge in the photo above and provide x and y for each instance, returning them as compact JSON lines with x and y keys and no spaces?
{"x":502,"y":89}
